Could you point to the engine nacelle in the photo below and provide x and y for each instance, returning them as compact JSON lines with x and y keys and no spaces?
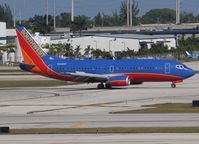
{"x":120,"y":80}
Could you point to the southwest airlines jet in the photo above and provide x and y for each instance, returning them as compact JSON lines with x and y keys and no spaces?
{"x":107,"y":73}
{"x":192,"y":56}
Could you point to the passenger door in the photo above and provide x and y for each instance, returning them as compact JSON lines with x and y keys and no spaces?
{"x":167,"y":68}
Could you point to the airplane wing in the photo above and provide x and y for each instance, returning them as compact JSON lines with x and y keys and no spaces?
{"x":88,"y":77}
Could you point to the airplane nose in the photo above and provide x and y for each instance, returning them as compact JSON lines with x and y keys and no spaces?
{"x":191,"y":72}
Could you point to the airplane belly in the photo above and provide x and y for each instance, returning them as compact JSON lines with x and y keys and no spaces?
{"x":143,"y":77}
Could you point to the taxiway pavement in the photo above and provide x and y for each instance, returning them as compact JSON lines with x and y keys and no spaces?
{"x":102,"y":138}
{"x":85,"y":106}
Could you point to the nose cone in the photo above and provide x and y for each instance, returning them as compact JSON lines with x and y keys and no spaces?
{"x":190,"y":73}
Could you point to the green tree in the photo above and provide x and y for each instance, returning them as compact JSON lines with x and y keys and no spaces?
{"x":159,"y":16}
{"x":115,"y":18}
{"x":98,"y":19}
{"x":64,"y":20}
{"x":39,"y":24}
{"x":158,"y":49}
{"x":77,"y":52}
{"x":68,"y":51}
{"x":51,"y":49}
{"x":81,"y":23}
{"x":125,"y":54}
{"x":88,"y":51}
{"x":107,"y":54}
{"x":6,"y":15}
{"x":107,"y":20}
{"x":188,"y":17}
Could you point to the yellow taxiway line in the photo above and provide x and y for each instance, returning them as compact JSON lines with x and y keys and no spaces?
{"x":78,"y":124}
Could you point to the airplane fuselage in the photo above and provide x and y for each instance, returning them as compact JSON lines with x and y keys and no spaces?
{"x":110,"y":72}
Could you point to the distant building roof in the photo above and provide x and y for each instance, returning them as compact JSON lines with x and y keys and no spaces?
{"x":11,"y":33}
{"x":134,"y":36}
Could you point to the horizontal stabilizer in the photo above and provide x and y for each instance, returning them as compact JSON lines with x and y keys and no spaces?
{"x":26,"y":67}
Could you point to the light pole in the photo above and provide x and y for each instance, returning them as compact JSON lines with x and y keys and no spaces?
{"x":72,"y":10}
{"x":124,"y":45}
{"x":110,"y":44}
{"x":95,"y":43}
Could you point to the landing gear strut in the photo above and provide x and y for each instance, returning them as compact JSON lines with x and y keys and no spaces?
{"x":173,"y":85}
{"x":108,"y":86}
{"x":101,"y":86}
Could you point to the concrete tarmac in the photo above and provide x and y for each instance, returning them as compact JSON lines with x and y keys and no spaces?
{"x":86,"y":106}
{"x":102,"y":138}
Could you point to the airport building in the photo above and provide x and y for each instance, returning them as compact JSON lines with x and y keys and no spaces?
{"x":2,"y":33}
{"x":121,"y":42}
{"x":108,"y":42}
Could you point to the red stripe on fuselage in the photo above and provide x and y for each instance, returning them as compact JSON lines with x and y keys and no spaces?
{"x":150,"y":77}
{"x":118,"y":83}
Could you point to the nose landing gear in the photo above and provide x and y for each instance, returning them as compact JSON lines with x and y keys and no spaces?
{"x":173,"y":85}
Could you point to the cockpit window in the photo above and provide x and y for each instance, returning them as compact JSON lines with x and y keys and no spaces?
{"x":179,"y":66}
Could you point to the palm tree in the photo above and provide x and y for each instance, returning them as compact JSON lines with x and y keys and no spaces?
{"x":77,"y":52}
{"x":68,"y":51}
{"x":87,"y":51}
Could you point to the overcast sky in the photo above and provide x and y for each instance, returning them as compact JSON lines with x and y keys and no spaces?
{"x":92,"y":7}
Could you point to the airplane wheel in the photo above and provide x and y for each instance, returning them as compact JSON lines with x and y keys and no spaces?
{"x":108,"y":86}
{"x":100,"y":86}
{"x":173,"y":85}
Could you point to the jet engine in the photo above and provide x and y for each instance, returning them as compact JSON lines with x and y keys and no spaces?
{"x":120,"y":80}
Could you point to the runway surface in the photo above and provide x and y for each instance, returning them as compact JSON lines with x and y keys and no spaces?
{"x":105,"y":139}
{"x":85,"y":106}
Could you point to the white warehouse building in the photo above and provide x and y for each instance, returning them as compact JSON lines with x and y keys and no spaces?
{"x":120,"y":42}
{"x":2,"y":33}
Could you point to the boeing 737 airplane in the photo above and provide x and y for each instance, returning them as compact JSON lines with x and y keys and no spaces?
{"x":192,"y":56}
{"x":107,"y":73}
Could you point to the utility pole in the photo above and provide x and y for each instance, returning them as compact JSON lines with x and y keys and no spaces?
{"x":19,"y":16}
{"x":127,"y":11}
{"x":14,"y":19}
{"x":24,"y":6}
{"x":177,"y":11}
{"x":46,"y":12}
{"x":131,"y":14}
{"x":72,"y":10}
{"x":54,"y":15}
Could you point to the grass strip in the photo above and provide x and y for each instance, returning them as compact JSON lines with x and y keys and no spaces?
{"x":106,"y":130}
{"x":11,"y":70}
{"x":33,"y":83}
{"x":164,"y":108}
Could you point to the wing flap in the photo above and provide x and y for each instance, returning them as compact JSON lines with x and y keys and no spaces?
{"x":88,"y":77}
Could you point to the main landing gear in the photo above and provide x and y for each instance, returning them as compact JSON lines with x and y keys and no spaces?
{"x":101,"y":86}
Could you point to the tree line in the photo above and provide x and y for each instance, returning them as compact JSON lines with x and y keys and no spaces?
{"x":83,"y":22}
